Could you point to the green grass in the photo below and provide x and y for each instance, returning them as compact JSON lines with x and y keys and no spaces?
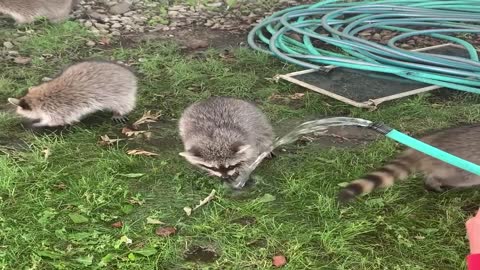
{"x":56,"y":212}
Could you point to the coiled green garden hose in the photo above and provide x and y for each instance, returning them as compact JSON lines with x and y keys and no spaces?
{"x":343,"y":20}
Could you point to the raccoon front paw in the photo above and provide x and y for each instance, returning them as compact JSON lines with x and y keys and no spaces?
{"x":434,"y":184}
{"x":38,"y":125}
{"x":120,"y":119}
{"x":271,"y":155}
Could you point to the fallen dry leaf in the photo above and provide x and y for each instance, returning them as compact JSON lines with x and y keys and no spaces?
{"x":165,"y":231}
{"x":147,"y":135}
{"x":210,"y":197}
{"x":187,"y":210}
{"x":60,"y":186}
{"x":297,"y":96}
{"x":275,"y":97}
{"x":140,"y":152}
{"x":154,"y":221}
{"x":46,"y":153}
{"x":132,"y":133}
{"x":136,"y":201}
{"x":105,"y":140}
{"x":227,"y":55}
{"x":117,"y":224}
{"x":104,"y":40}
{"x":21,"y":60}
{"x":279,"y":261}
{"x":147,"y":117}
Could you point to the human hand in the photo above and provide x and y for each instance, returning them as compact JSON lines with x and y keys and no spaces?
{"x":473,"y":233}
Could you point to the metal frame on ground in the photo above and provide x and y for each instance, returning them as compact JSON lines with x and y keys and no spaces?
{"x":371,"y":103}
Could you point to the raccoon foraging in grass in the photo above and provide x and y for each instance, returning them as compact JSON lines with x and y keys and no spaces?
{"x":463,"y":142}
{"x":81,"y":89}
{"x":223,"y":135}
{"x":26,"y":11}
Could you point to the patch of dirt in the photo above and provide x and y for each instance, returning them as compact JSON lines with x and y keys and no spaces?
{"x":160,"y":140}
{"x":245,"y":221}
{"x":258,"y":243}
{"x":203,"y":254}
{"x":192,"y":39}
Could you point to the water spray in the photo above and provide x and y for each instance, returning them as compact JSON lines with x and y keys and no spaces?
{"x":322,"y":126}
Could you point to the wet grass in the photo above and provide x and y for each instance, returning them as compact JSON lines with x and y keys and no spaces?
{"x":56,"y":212}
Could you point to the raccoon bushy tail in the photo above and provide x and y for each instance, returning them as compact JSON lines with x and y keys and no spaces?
{"x":384,"y":177}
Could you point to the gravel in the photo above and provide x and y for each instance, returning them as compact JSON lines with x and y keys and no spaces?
{"x":117,"y":17}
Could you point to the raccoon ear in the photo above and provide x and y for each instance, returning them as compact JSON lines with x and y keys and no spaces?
{"x":24,"y":105}
{"x":190,"y":157}
{"x":14,"y":101}
{"x":191,"y":153}
{"x":240,"y":147}
{"x":195,"y":151}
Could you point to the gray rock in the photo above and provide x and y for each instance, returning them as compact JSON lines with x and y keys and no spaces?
{"x":90,"y":43}
{"x":94,"y":30}
{"x":8,"y":44}
{"x":22,"y":39}
{"x":116,"y":25}
{"x":101,"y":26}
{"x":214,"y":5}
{"x":98,"y":16}
{"x":120,"y":8}
{"x":173,"y":13}
{"x":21,"y":60}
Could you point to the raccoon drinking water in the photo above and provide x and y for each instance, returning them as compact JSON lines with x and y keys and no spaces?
{"x":463,"y":142}
{"x":26,"y":11}
{"x":224,"y":135}
{"x":79,"y":90}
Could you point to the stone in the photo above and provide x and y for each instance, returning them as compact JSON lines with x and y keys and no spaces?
{"x":101,"y":26}
{"x":120,"y":8}
{"x":90,"y":43}
{"x":88,"y":24}
{"x":172,"y":13}
{"x":21,"y":60}
{"x":8,"y":44}
{"x":98,"y":16}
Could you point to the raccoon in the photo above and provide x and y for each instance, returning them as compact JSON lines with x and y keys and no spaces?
{"x":26,"y":11}
{"x":223,"y":135}
{"x":81,"y":89}
{"x":463,"y":142}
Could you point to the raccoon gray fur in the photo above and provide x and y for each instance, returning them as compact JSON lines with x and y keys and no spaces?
{"x":81,"y":89}
{"x":463,"y":142}
{"x":26,"y":11}
{"x":223,"y":135}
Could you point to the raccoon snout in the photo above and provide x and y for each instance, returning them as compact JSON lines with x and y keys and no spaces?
{"x":229,"y":178}
{"x":226,"y":177}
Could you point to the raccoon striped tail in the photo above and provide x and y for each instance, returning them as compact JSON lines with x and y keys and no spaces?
{"x":384,"y":177}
